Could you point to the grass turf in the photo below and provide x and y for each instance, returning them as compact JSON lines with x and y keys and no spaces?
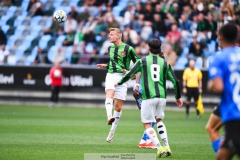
{"x":34,"y":132}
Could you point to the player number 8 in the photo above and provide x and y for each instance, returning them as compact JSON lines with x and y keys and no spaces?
{"x":155,"y":69}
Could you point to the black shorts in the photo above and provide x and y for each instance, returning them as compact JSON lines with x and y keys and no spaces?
{"x":231,"y":139}
{"x":192,"y":93}
{"x":216,"y":110}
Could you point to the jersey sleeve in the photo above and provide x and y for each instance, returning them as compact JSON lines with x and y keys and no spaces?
{"x":173,"y":78}
{"x":199,"y":75}
{"x":133,"y":55}
{"x":184,"y":75}
{"x":215,"y":69}
{"x":136,"y":68}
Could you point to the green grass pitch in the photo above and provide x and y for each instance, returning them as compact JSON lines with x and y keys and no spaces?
{"x":66,"y":133}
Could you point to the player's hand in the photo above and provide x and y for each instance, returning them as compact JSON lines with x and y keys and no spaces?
{"x":200,"y":90}
{"x":185,"y":90}
{"x":124,"y":71}
{"x":115,"y":84}
{"x":179,"y":102}
{"x":101,"y":65}
{"x":136,"y":89}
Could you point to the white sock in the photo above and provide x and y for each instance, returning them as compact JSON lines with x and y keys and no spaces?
{"x":153,"y":136}
{"x":162,"y":132}
{"x":109,"y":106}
{"x":117,"y":116}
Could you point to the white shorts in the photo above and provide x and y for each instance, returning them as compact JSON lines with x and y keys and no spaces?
{"x":120,"y":90}
{"x":152,"y":109}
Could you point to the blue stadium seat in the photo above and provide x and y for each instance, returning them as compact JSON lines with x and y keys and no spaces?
{"x":5,"y":28}
{"x":51,"y":53}
{"x":44,"y":1}
{"x":199,"y":63}
{"x":185,"y":52}
{"x":181,"y":63}
{"x":73,"y":2}
{"x":35,"y":20}
{"x":25,"y":4}
{"x":116,"y":10}
{"x":211,"y":46}
{"x":68,"y":53}
{"x":44,"y":41}
{"x":19,"y":52}
{"x":48,"y":22}
{"x":19,"y":30}
{"x":4,"y":19}
{"x":18,"y":21}
{"x":30,"y":58}
{"x":59,"y":40}
{"x":11,"y":11}
{"x":11,"y":41}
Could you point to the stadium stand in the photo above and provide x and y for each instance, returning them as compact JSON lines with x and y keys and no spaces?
{"x":24,"y":23}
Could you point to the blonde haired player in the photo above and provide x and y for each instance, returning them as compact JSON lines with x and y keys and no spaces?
{"x":120,"y":55}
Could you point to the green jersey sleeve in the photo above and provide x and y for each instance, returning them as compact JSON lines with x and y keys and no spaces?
{"x":171,"y":75}
{"x":133,"y":55}
{"x":136,"y":68}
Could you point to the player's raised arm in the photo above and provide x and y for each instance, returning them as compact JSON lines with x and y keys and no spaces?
{"x":134,"y":70}
{"x":101,"y":65}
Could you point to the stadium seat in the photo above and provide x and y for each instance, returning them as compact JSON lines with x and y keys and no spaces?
{"x":4,"y":19}
{"x":5,"y":28}
{"x":60,"y":40}
{"x":44,"y":1}
{"x":35,"y":20}
{"x":30,"y":58}
{"x":11,"y":11}
{"x":51,"y":53}
{"x":68,"y":53}
{"x":199,"y":63}
{"x":185,"y":52}
{"x":181,"y":63}
{"x":44,"y":41}
{"x":19,"y":30}
{"x":11,"y":40}
{"x":48,"y":22}
{"x":116,"y":10}
{"x":18,"y":21}
{"x":25,"y":4}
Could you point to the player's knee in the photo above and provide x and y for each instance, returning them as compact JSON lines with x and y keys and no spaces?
{"x":118,"y":107}
{"x":158,"y":120}
{"x":209,"y":128}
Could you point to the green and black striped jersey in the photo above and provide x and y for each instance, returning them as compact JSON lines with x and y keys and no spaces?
{"x":120,"y":57}
{"x":154,"y":71}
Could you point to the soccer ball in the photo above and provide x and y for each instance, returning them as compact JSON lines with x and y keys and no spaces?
{"x":60,"y":16}
{"x":57,"y":73}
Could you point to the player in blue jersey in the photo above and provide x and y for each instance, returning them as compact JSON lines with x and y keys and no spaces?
{"x":224,"y":78}
{"x":145,"y":141}
{"x":213,"y":126}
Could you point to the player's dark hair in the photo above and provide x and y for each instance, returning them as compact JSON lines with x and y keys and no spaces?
{"x":229,"y":33}
{"x":155,"y":46}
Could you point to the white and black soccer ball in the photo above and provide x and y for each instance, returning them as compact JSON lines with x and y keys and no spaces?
{"x":60,"y":16}
{"x":57,"y":73}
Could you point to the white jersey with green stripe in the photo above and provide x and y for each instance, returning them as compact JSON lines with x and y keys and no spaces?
{"x":120,"y":58}
{"x":154,"y":71}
